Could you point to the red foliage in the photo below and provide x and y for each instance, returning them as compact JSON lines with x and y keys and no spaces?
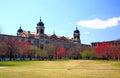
{"x":106,"y":51}
{"x":60,"y":52}
{"x":24,"y":44}
{"x":22,"y":48}
{"x":2,"y":49}
{"x":12,"y":48}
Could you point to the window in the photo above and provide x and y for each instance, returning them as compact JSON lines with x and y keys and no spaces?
{"x":42,"y":31}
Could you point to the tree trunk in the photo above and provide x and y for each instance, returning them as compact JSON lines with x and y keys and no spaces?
{"x":118,"y":58}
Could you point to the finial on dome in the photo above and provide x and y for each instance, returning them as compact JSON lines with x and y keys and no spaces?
{"x":76,"y":27}
{"x":54,"y":33}
{"x":20,"y":26}
{"x":40,"y":19}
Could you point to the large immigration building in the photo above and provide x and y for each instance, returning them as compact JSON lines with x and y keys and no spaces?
{"x":39,"y":38}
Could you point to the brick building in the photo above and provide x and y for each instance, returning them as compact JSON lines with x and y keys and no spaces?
{"x":40,"y":38}
{"x":115,"y":43}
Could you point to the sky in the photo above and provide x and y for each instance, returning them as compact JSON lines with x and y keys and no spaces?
{"x":97,"y":20}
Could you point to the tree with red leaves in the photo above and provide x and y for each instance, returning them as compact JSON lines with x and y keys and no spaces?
{"x":60,"y":52}
{"x":117,"y":53}
{"x":106,"y":51}
{"x":24,"y":50}
{"x":12,"y":48}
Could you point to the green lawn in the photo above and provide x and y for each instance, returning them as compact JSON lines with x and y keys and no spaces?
{"x":60,"y":69}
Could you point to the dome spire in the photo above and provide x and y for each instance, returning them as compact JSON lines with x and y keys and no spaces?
{"x":40,"y":23}
{"x":20,"y":29}
{"x":76,"y":27}
{"x":54,"y":33}
{"x":40,"y":19}
{"x":20,"y":26}
{"x":76,"y":31}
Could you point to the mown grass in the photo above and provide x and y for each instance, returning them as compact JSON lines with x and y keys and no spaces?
{"x":60,"y":69}
{"x":14,"y":63}
{"x":112,"y":63}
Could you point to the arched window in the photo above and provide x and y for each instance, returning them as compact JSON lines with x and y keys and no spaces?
{"x":42,"y":31}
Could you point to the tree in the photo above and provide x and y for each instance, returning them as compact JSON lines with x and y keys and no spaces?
{"x":93,"y":54}
{"x":30,"y":51}
{"x":12,"y":48}
{"x":106,"y":51}
{"x":86,"y":54}
{"x":111,"y":52}
{"x":74,"y":52}
{"x":117,"y":53}
{"x":70,"y":52}
{"x":2,"y":50}
{"x":50,"y":48}
{"x":60,"y":52}
{"x":23,"y":49}
{"x":118,"y":56}
{"x":40,"y":54}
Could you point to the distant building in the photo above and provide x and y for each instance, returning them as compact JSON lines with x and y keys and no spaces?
{"x":85,"y":47}
{"x":40,"y":38}
{"x":113,"y":42}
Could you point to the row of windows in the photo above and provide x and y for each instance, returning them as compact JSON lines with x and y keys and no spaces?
{"x":110,"y":43}
{"x":7,"y":38}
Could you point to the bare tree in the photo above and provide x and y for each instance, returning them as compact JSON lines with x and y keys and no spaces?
{"x":12,"y":48}
{"x":50,"y":48}
{"x":2,"y":50}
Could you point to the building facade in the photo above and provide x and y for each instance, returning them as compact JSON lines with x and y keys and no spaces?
{"x":40,"y":38}
{"x":115,"y":43}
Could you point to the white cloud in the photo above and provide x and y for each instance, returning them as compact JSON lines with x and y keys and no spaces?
{"x":87,"y":33}
{"x":99,"y":24}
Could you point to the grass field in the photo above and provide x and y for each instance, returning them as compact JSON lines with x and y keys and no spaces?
{"x":60,"y":69}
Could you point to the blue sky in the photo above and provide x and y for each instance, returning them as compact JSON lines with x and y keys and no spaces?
{"x":97,"y":20}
